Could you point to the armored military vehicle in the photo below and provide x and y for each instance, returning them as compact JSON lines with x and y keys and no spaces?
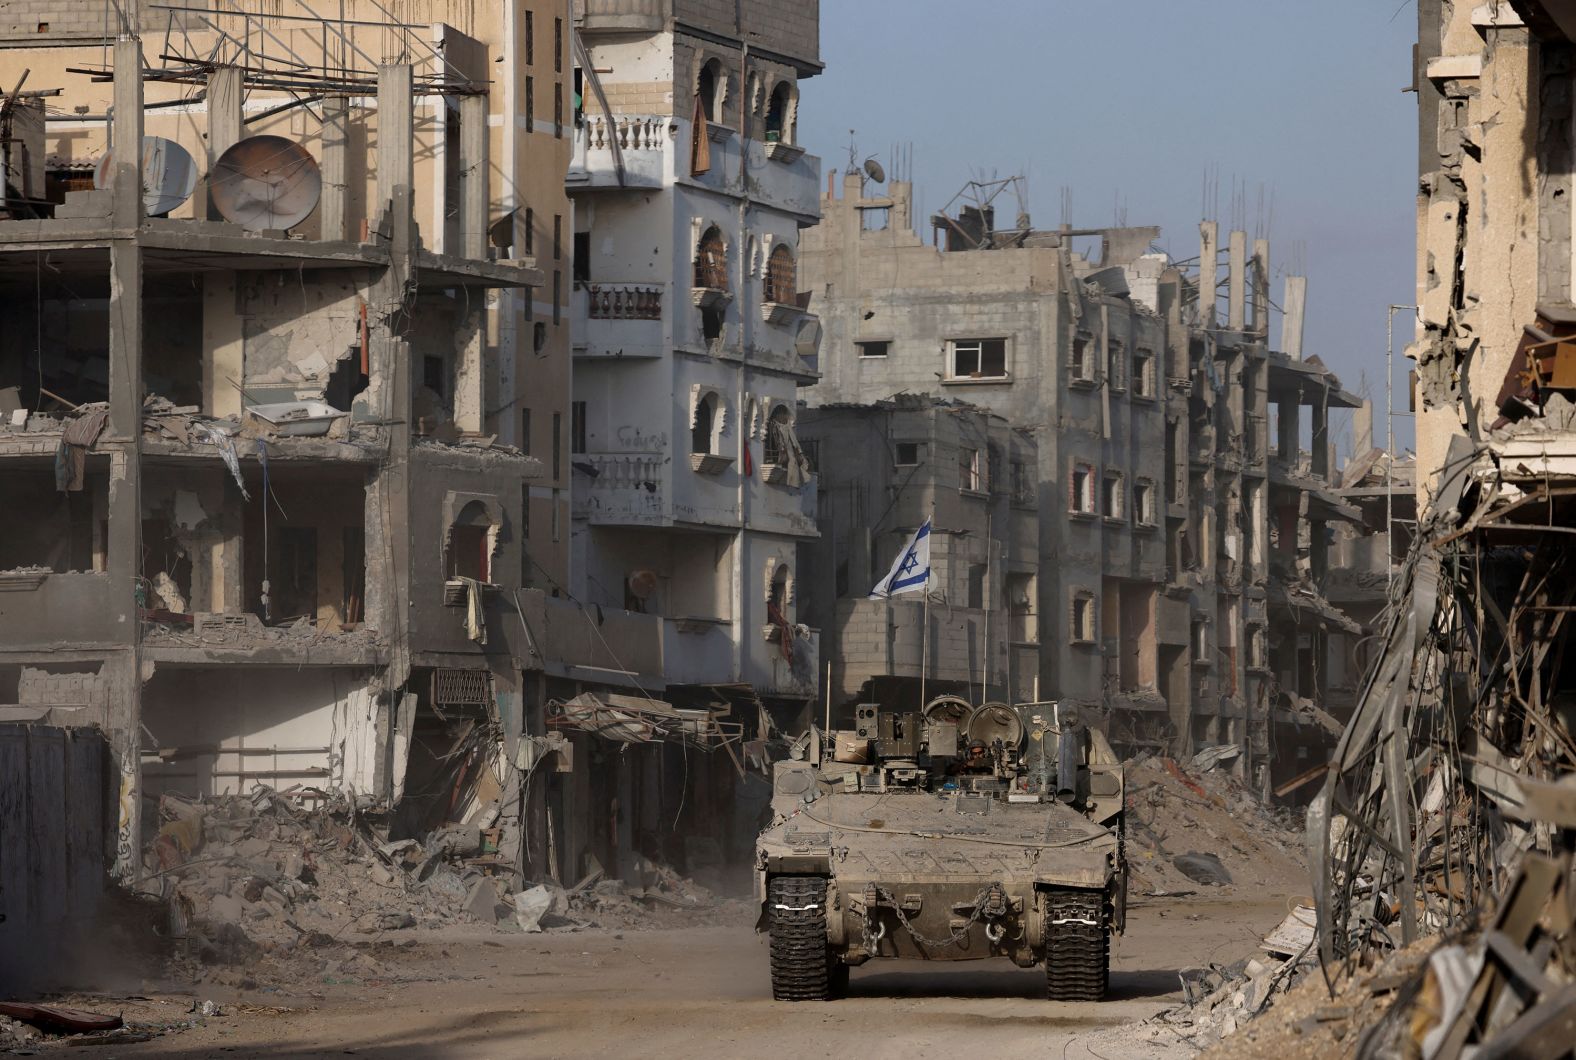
{"x":945,"y":834}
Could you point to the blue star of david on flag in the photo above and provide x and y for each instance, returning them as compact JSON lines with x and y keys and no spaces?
{"x":911,"y":571}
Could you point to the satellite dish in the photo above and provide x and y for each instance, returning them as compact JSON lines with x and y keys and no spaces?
{"x":874,"y":171}
{"x":642,"y":583}
{"x":169,"y":175}
{"x":996,"y":721}
{"x":265,"y":182}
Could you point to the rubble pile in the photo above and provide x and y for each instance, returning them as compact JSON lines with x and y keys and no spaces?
{"x":1197,"y":826}
{"x":260,"y":876}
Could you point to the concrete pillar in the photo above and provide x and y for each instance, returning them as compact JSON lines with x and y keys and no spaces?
{"x":1286,"y":431}
{"x":1296,"y":308}
{"x":1363,"y":428}
{"x":124,"y":442}
{"x":225,"y":125}
{"x":1261,"y":287}
{"x":1237,"y":287}
{"x":396,"y":167}
{"x":474,"y":168}
{"x":334,"y":209}
{"x":1208,"y":271}
{"x":1320,"y":451}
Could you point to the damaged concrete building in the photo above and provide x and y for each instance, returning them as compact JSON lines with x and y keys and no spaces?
{"x":1183,"y":501}
{"x":692,"y":340}
{"x":286,"y":411}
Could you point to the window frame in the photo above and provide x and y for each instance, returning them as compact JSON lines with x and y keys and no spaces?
{"x":1113,"y":496}
{"x":955,"y":347}
{"x":1144,"y":380}
{"x":969,"y":471}
{"x":1080,"y":364}
{"x":1144,"y":497}
{"x":897,"y":454}
{"x":1085,"y":613}
{"x":1081,"y":498}
{"x":861,"y":344}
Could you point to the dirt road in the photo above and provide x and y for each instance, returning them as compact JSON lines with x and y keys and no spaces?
{"x":703,"y":992}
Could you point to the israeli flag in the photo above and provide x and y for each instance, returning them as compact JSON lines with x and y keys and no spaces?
{"x":911,"y":572}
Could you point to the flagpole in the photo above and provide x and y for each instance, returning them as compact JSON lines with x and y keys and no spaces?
{"x":924,"y":653}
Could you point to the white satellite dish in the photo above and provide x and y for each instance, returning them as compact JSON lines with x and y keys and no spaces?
{"x":169,"y":175}
{"x":265,"y":182}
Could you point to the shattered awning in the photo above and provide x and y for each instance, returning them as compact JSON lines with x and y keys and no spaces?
{"x":641,"y":719}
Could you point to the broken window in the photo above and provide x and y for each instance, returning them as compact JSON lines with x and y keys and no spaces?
{"x":979,"y":358}
{"x":1082,"y":498}
{"x":701,"y":428}
{"x":709,"y":90}
{"x":580,"y":268}
{"x":470,"y":544}
{"x":711,"y":261}
{"x":1111,"y":495}
{"x":1083,"y":623}
{"x":779,"y":115}
{"x":577,"y":427}
{"x":1144,"y":502}
{"x":977,"y":586}
{"x":712,"y":319}
{"x":907,"y":454}
{"x":773,"y":450}
{"x":873,"y":348}
{"x":1079,"y":365}
{"x":1143,"y":373}
{"x":1117,"y":365}
{"x":782,"y":280}
{"x":969,"y":469}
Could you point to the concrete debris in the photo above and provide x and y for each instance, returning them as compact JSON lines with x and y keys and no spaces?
{"x":1172,"y":814}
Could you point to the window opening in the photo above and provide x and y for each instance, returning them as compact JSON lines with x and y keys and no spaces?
{"x":1111,"y":496}
{"x":907,"y":454}
{"x":577,"y":427}
{"x":1083,"y":618}
{"x":779,"y":127}
{"x":876,"y":348}
{"x":470,"y":547}
{"x":711,"y":261}
{"x":782,"y":281}
{"x":701,"y":429}
{"x":969,"y":469}
{"x":773,"y":450}
{"x":1083,"y":489}
{"x":979,"y":358}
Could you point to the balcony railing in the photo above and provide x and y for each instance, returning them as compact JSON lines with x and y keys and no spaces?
{"x":624,"y":301}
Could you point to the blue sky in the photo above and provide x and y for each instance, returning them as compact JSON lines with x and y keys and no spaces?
{"x":1130,"y":104}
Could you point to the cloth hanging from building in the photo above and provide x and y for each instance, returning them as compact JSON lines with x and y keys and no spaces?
{"x":788,"y":452}
{"x":700,"y":143}
{"x":910,"y":572}
{"x":217,"y":436}
{"x":784,"y":630}
{"x":75,"y":441}
{"x":475,"y":619}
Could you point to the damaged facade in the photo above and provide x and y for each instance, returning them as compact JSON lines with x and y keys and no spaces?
{"x":276,"y":512}
{"x":691,"y":338}
{"x":1175,"y":590}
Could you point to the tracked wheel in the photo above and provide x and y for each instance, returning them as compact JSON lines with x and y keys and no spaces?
{"x":803,"y":968}
{"x":1077,"y":945}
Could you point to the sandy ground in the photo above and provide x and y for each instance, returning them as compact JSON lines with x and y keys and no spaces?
{"x":700,"y":991}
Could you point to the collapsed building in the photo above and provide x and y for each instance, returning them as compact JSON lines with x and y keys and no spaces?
{"x":1182,"y":502}
{"x":285,"y":428}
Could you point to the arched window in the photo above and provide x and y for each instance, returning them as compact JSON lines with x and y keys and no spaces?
{"x":704,"y":422}
{"x":779,"y":593}
{"x":711,"y":260}
{"x":709,"y":89}
{"x":782,"y":277}
{"x":779,"y":115}
{"x":772,"y":451}
{"x":470,"y":543}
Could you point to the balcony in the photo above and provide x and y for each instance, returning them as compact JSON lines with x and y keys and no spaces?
{"x":620,"y":489}
{"x":624,"y":16}
{"x":622,"y":151}
{"x":618,"y":319}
